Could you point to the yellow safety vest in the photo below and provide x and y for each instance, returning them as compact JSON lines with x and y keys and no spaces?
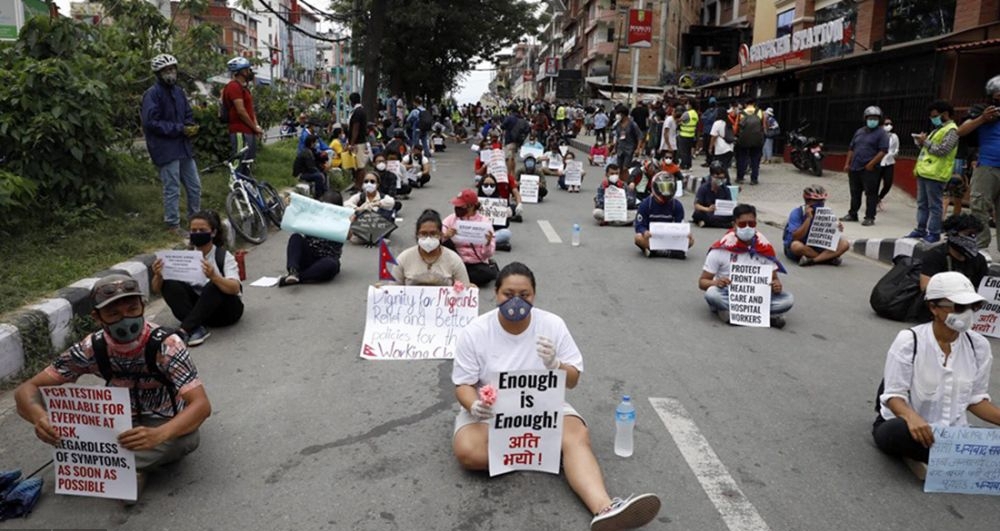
{"x":561,"y":113}
{"x":934,"y":167}
{"x":689,"y":129}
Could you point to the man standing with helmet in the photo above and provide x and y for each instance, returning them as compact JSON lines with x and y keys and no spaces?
{"x":660,"y":207}
{"x":984,"y":121}
{"x":933,"y":170}
{"x":869,"y":145}
{"x":237,"y":106}
{"x":168,"y":125}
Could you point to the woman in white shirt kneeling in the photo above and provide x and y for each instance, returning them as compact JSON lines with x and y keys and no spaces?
{"x":934,"y":372}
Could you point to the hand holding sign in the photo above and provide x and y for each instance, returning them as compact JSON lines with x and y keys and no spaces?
{"x":669,"y":236}
{"x":825,"y":230}
{"x":185,"y":266}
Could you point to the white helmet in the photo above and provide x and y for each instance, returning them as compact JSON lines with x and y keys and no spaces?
{"x":872,"y":111}
{"x":993,"y":85}
{"x":162,"y":61}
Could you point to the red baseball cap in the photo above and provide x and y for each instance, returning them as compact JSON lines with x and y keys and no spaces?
{"x":468,"y":197}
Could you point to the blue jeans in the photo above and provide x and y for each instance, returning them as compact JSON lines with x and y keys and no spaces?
{"x":318,"y":180}
{"x":173,"y":174}
{"x":237,"y":141}
{"x":768,"y":149}
{"x":421,"y":138}
{"x":748,"y":159}
{"x":929,"y":206}
{"x":718,"y":300}
{"x":503,"y":235}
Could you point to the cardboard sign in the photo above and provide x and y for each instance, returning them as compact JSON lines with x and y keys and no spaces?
{"x":486,"y":155}
{"x":964,"y":460}
{"x":669,"y":236}
{"x":824,"y":232}
{"x":599,"y":160}
{"x":526,"y":430}
{"x":615,"y":204}
{"x":394,"y":166}
{"x":750,"y":292}
{"x":183,"y":265}
{"x":495,"y":208}
{"x":987,"y":319}
{"x":530,"y":151}
{"x":724,"y":208}
{"x":416,"y":322}
{"x":438,"y":141}
{"x":315,"y":218}
{"x":555,"y":162}
{"x":473,"y":232}
{"x":529,"y":188}
{"x":574,"y":173}
{"x":498,"y":169}
{"x":89,"y":461}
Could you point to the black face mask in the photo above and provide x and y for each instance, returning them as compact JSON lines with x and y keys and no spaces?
{"x":199,"y":239}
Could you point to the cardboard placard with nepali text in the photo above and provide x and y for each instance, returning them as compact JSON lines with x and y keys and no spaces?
{"x":495,"y":208}
{"x":615,"y":204}
{"x":416,"y":322}
{"x":964,"y":460}
{"x":529,"y":188}
{"x":987,"y":319}
{"x":825,"y":230}
{"x":574,"y":173}
{"x":750,"y":292}
{"x":525,"y":432}
{"x":89,"y":461}
{"x":498,"y":167}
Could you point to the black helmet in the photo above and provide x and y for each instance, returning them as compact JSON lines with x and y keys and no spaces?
{"x":397,"y":133}
{"x":716,"y":167}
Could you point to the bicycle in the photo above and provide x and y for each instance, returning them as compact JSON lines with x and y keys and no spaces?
{"x":250,"y":204}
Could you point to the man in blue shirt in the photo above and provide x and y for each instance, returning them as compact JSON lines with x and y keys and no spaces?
{"x":869,"y":145}
{"x":704,"y":202}
{"x":797,"y":232}
{"x":984,"y":120}
{"x":660,"y":207}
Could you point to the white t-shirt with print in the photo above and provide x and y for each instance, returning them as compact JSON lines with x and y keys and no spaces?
{"x":719,"y":132}
{"x":719,"y":262}
{"x":484,"y":348}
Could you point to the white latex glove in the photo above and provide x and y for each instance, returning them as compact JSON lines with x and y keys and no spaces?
{"x":547,"y":351}
{"x":481,"y":410}
{"x":518,"y":209}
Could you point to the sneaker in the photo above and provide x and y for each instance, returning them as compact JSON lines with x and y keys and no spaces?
{"x":701,"y":224}
{"x":677,"y":255}
{"x":290,"y":279}
{"x":505,"y":246}
{"x":836,"y":261}
{"x":849,"y":218}
{"x":723,"y":316}
{"x":516,"y":218}
{"x":868,"y":222}
{"x":932,"y":238}
{"x":916,"y":233}
{"x":647,"y":253}
{"x":805,"y":261}
{"x":777,"y":321}
{"x":753,"y":183}
{"x":632,"y":512}
{"x":198,"y":336}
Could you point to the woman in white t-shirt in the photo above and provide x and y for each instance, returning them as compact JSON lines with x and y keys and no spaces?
{"x":935,"y":372}
{"x":517,"y":336}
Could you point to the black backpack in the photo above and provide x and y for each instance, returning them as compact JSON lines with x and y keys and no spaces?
{"x":521,"y":131}
{"x":897,"y":294}
{"x":151,"y":351}
{"x":729,"y":136}
{"x":751,"y":131}
{"x":424,"y":120}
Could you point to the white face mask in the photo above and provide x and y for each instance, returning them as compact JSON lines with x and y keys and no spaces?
{"x":888,"y":127}
{"x":369,"y":187}
{"x":745,"y":233}
{"x":380,"y":166}
{"x":960,"y":322}
{"x":613,"y":178}
{"x":429,"y":245}
{"x":488,"y":190}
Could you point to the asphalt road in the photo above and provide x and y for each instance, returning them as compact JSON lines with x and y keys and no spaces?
{"x":306,"y":435}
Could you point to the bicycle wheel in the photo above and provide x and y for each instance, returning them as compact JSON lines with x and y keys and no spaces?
{"x":274,"y":202}
{"x":245,"y":218}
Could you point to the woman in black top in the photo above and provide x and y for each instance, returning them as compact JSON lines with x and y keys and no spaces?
{"x":960,"y":253}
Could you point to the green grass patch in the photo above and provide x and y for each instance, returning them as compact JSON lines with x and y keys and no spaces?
{"x":40,"y":259}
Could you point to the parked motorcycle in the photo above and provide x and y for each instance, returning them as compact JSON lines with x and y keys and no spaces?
{"x":807,"y":151}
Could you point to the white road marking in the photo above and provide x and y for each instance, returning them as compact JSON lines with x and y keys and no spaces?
{"x":736,"y":510}
{"x":550,"y":232}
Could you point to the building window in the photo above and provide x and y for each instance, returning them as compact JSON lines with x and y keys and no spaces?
{"x":611,"y":34}
{"x":785,"y":19}
{"x":910,"y":20}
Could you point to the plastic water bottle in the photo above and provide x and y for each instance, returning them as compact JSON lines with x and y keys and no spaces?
{"x":576,"y":235}
{"x":434,"y":165}
{"x":624,"y":424}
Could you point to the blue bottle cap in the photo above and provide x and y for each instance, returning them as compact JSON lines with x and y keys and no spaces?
{"x":626,"y":398}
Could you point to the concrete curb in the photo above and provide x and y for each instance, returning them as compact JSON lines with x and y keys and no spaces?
{"x":885,"y":249}
{"x":20,"y":337}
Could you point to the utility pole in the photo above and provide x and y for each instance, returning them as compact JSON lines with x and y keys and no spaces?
{"x":634,"y":98}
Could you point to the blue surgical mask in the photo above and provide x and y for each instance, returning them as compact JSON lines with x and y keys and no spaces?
{"x":745,"y":233}
{"x":127,"y":330}
{"x":515,"y":309}
{"x":936,"y":121}
{"x":872,"y":124}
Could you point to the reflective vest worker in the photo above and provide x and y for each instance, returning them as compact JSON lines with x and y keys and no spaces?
{"x":938,"y":167}
{"x":689,"y":124}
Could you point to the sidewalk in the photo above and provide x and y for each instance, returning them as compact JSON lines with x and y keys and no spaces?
{"x":780,"y":191}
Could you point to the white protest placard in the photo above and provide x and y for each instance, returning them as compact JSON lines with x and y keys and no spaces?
{"x":530,"y":151}
{"x":555,"y":162}
{"x":438,"y":141}
{"x":824,"y":232}
{"x":498,"y":169}
{"x":485,"y":155}
{"x":473,"y":232}
{"x":529,"y":188}
{"x":734,"y":192}
{"x":494,"y":208}
{"x":615,"y":204}
{"x":964,"y":460}
{"x":598,"y":160}
{"x":563,"y":149}
{"x":474,"y":147}
{"x":266,"y":282}
{"x":394,"y":166}
{"x":987,"y":319}
{"x":750,"y":292}
{"x":525,"y":432}
{"x":416,"y":322}
{"x":669,"y":236}
{"x":574,"y":173}
{"x":183,"y":265}
{"x":724,"y":208}
{"x":89,"y":461}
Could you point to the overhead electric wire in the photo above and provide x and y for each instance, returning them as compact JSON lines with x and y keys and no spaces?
{"x":298,"y":29}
